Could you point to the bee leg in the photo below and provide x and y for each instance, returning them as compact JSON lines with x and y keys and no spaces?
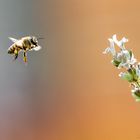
{"x":25,"y":56}
{"x":16,"y":54}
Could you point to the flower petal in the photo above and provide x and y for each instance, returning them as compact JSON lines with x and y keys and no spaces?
{"x":107,"y":50}
{"x":119,"y":43}
{"x":112,"y":48}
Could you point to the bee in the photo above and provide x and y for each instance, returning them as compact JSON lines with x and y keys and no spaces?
{"x":24,"y":44}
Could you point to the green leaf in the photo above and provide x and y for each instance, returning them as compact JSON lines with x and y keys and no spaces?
{"x":115,"y":62}
{"x":132,"y":72}
{"x":127,"y":76}
{"x":137,"y":97}
{"x":130,"y":52}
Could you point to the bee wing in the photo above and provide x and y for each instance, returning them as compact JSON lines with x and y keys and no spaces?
{"x":13,"y":39}
{"x":37,"y":48}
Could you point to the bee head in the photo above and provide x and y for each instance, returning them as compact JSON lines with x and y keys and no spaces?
{"x":34,"y":41}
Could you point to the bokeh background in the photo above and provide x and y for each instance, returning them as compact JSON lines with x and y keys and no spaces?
{"x":69,"y":90}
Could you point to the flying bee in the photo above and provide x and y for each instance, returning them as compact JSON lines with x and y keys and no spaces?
{"x":24,"y":44}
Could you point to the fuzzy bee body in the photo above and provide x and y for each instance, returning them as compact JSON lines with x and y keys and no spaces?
{"x":24,"y":44}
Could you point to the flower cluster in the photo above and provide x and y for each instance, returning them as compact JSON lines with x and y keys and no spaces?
{"x":124,"y":58}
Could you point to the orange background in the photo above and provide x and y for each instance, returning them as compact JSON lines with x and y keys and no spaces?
{"x":69,"y":90}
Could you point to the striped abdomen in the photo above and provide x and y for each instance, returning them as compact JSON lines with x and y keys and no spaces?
{"x":12,"y":49}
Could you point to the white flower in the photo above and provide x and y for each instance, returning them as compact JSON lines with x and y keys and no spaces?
{"x":120,"y":43}
{"x":111,"y":48}
{"x":138,"y":70}
{"x":113,"y":41}
{"x":122,"y":74}
{"x":126,"y":58}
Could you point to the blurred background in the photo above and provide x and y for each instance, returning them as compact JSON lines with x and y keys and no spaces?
{"x":69,"y":90}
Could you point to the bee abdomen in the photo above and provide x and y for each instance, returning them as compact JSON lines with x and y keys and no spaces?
{"x":11,"y":50}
